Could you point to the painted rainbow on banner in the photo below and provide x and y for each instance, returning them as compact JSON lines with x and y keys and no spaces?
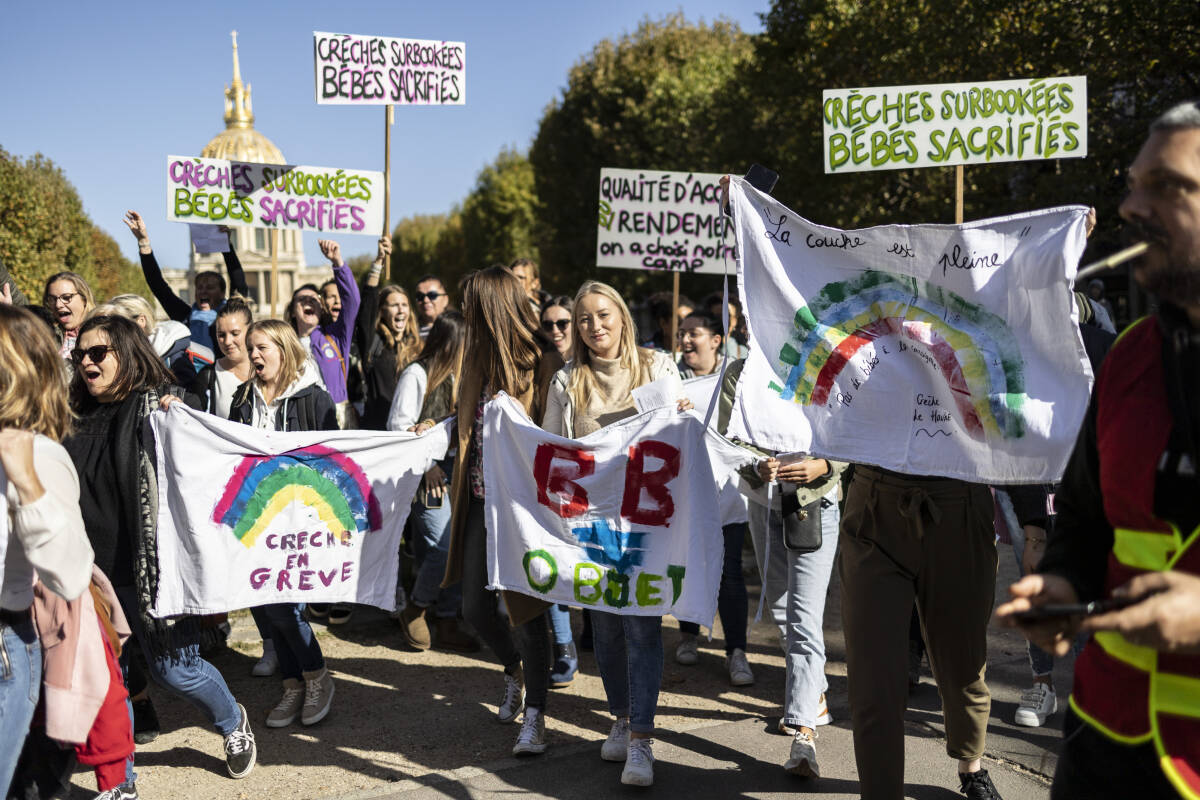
{"x":323,"y":479}
{"x":971,"y":347}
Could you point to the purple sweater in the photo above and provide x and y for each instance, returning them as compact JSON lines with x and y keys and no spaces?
{"x":330,"y":340}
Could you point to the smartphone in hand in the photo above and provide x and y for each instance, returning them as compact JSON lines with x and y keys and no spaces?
{"x":1060,"y":610}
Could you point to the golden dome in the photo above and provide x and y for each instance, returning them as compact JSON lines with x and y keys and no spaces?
{"x":239,"y":141}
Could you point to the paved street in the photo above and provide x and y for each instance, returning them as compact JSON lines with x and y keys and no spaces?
{"x":421,"y":725}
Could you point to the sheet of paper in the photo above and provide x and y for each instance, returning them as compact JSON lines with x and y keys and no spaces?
{"x":655,"y":394}
{"x":209,"y":238}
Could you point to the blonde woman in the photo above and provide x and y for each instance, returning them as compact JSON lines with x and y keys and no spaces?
{"x":45,"y":528}
{"x":592,"y":391}
{"x":69,"y":299}
{"x":285,"y":394}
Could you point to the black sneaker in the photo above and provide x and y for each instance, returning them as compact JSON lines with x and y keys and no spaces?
{"x":240,"y":751}
{"x":126,"y":791}
{"x":978,"y":786}
{"x":145,"y":721}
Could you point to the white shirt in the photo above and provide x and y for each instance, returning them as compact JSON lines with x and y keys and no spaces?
{"x":408,"y":399}
{"x":225,"y":383}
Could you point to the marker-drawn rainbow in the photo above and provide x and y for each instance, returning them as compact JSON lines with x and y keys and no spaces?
{"x":971,"y":347}
{"x":323,"y":479}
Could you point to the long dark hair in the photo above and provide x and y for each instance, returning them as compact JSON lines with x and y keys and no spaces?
{"x":502,"y":329}
{"x":442,"y":354}
{"x":138,"y":367}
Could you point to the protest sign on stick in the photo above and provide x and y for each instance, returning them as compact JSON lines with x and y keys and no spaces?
{"x":624,"y":520}
{"x":948,"y":350}
{"x":248,"y":517}
{"x":280,"y":196}
{"x":352,"y":69}
{"x":941,"y":125}
{"x":654,"y":220}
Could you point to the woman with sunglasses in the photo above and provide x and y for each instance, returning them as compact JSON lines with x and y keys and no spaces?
{"x":327,"y":339}
{"x":69,"y":299}
{"x":427,"y":392}
{"x":556,"y":323}
{"x":119,"y":380}
{"x":45,"y":530}
{"x":594,"y":390}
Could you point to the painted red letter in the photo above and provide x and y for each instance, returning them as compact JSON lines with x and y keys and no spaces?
{"x":652,"y":484}
{"x":555,"y":470}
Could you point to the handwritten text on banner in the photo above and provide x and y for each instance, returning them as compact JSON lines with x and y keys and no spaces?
{"x":940,"y":125}
{"x":248,"y":517}
{"x":661,"y":220}
{"x":284,"y":196}
{"x":380,"y":70}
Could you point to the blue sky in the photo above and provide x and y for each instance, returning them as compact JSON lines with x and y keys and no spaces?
{"x":109,"y":90}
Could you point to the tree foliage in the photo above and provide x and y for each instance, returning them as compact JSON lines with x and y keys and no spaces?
{"x":428,"y":244}
{"x":44,"y":230}
{"x":501,"y":212}
{"x":650,"y":100}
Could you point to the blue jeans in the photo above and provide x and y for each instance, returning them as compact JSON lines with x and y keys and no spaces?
{"x":296,"y":645}
{"x":183,"y":672}
{"x":20,"y":686}
{"x":1041,"y":662}
{"x":432,"y":529}
{"x":795,"y":587}
{"x":629,"y":654}
{"x":732,"y":604}
{"x":560,"y":623}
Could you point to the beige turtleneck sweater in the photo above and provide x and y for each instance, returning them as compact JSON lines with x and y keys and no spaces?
{"x":613,"y":402}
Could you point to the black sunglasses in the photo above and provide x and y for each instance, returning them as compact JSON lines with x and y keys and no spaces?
{"x":430,"y":296}
{"x":96,"y":354}
{"x":548,"y":325}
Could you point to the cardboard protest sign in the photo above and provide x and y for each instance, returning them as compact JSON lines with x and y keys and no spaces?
{"x":949,"y":350}
{"x":282,"y":196}
{"x":381,"y":70}
{"x":248,"y":517}
{"x":624,"y":520}
{"x":940,"y":125}
{"x":661,"y":221}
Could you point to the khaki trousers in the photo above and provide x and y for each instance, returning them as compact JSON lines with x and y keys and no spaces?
{"x":932,"y":540}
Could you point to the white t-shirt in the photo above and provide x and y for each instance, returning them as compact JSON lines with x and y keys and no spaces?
{"x":225,"y":383}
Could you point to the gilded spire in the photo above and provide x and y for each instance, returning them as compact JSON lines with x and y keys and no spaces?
{"x":238,"y":113}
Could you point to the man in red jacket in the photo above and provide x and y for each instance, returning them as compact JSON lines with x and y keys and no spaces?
{"x":1128,"y":528}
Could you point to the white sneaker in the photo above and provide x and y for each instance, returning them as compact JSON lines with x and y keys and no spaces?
{"x":531,"y":740}
{"x":617,"y":743}
{"x":739,"y":668}
{"x":1037,"y":704}
{"x":639,"y":764}
{"x":266,"y":666}
{"x":514,"y":698}
{"x":687,"y":653}
{"x":803,"y":759}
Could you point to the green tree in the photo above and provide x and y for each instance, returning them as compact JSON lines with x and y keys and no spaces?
{"x":500,"y":214}
{"x":428,"y":244}
{"x":650,"y":100}
{"x":43,"y":230}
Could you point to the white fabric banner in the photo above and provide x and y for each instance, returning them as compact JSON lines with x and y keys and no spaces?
{"x":248,"y":517}
{"x":948,"y":350}
{"x":624,"y":520}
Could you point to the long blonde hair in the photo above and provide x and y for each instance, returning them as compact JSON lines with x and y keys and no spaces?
{"x":500,"y":331}
{"x":33,"y":377}
{"x":636,"y":360}
{"x":291,"y":353}
{"x":406,"y":346}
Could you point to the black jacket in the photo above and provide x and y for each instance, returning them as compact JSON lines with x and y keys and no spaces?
{"x":309,"y":409}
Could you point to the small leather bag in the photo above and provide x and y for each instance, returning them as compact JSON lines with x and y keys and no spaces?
{"x":801,"y":524}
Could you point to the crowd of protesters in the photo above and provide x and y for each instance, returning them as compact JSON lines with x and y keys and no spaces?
{"x":916,"y":554}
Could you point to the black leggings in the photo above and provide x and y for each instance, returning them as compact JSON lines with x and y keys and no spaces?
{"x":527,"y":644}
